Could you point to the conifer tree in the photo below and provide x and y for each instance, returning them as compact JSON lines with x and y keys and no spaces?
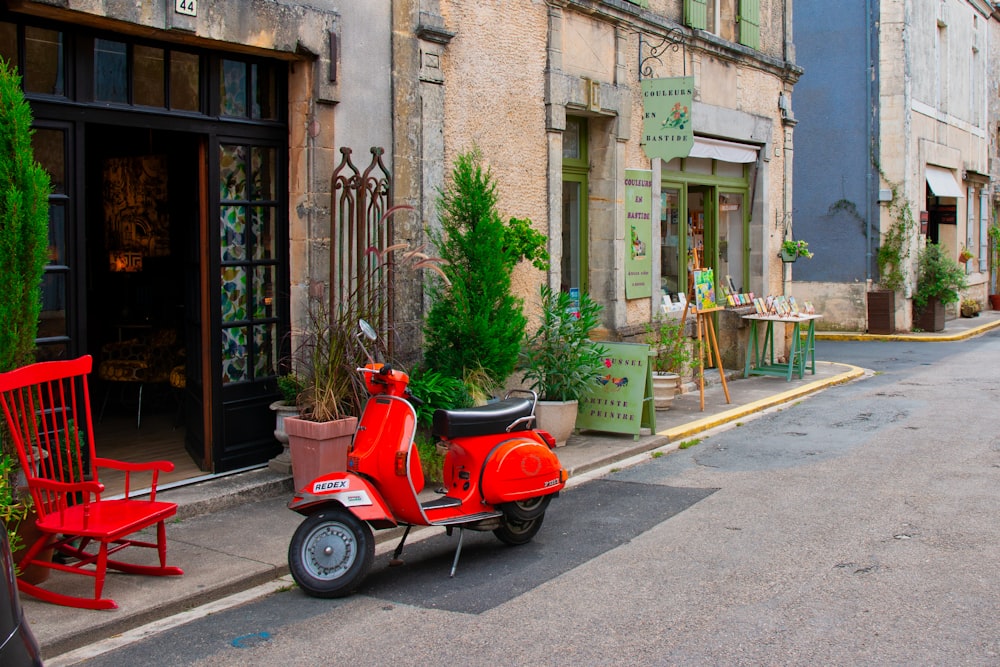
{"x":24,"y":219}
{"x":475,"y":324}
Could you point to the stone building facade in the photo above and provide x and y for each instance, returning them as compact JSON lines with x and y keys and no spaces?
{"x":896,"y":121}
{"x":192,"y":147}
{"x":532,"y":84}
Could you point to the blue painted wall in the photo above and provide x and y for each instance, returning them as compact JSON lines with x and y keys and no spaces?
{"x":832,"y":162}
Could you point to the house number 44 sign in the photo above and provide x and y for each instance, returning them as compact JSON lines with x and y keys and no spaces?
{"x":189,"y":7}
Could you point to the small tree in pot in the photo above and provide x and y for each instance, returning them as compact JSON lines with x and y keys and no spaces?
{"x":671,"y":357}
{"x":939,"y":280}
{"x":560,"y":361}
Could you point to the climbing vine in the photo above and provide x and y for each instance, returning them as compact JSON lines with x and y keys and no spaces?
{"x":895,"y":246}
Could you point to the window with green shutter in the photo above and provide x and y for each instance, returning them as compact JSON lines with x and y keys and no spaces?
{"x":749,"y":20}
{"x":696,"y":14}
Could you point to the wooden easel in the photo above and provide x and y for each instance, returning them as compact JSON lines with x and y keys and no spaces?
{"x":705,"y":329}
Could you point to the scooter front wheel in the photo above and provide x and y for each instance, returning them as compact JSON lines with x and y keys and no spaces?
{"x":330,"y":553}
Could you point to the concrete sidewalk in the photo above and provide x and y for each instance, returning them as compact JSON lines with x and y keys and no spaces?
{"x":232,"y":533}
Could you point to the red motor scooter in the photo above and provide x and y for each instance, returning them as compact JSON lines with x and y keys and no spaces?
{"x":499,"y":475}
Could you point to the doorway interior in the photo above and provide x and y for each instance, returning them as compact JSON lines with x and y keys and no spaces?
{"x":141,"y":247}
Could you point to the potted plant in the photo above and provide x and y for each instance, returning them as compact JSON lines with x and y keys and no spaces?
{"x":671,"y":357}
{"x":560,"y":361}
{"x":326,"y":358}
{"x":964,"y":255}
{"x":24,"y":235}
{"x":792,"y":250}
{"x":939,"y":280}
{"x":969,"y":308}
{"x":994,"y":234}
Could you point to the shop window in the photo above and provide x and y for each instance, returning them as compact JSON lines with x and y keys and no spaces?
{"x":110,"y":71}
{"x":671,"y":279}
{"x":148,"y":76}
{"x":248,"y":262}
{"x":44,"y":71}
{"x":573,"y":262}
{"x":8,"y":44}
{"x":185,"y":70}
{"x":248,"y":90}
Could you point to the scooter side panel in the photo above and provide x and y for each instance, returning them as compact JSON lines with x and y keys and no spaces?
{"x":519,"y":469}
{"x":386,"y":429}
{"x":352,"y":492}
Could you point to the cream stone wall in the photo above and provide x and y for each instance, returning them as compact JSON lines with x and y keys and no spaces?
{"x":494,"y":101}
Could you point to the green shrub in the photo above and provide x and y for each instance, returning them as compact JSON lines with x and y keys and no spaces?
{"x":476,"y":323}
{"x":559,"y":360}
{"x":437,"y":391}
{"x":938,"y":277}
{"x":24,"y":226}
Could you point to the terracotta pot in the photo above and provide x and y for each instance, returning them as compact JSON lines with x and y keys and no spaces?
{"x":318,"y":448}
{"x":995,"y":301}
{"x":558,"y":418}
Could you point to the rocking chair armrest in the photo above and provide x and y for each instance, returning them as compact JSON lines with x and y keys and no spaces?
{"x":67,"y":487}
{"x":161,"y":466}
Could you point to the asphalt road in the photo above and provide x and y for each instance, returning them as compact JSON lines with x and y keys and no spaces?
{"x":859,"y":526}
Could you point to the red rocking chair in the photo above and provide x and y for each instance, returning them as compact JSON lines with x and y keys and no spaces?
{"x":47,"y":406}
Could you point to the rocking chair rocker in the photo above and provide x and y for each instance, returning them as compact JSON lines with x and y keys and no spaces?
{"x":47,"y":407}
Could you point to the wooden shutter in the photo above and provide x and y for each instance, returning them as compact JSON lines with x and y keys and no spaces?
{"x":696,"y":14}
{"x":749,"y":19}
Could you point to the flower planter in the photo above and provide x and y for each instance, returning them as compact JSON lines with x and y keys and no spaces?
{"x":283,"y":461}
{"x":318,"y":448}
{"x":881,"y":312}
{"x":788,"y":257}
{"x":994,"y":301}
{"x":558,"y":418}
{"x":665,"y":387}
{"x":931,"y":317}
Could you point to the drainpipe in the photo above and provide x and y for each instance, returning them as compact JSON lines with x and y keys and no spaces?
{"x":870,"y":134}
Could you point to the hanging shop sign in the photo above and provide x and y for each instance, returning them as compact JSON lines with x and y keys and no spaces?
{"x":667,"y":131}
{"x":621,"y":400}
{"x":638,"y":233}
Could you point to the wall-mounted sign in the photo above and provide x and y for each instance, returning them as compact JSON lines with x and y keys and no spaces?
{"x":621,"y":400}
{"x":667,"y":131}
{"x":186,"y":7}
{"x":638,"y":233}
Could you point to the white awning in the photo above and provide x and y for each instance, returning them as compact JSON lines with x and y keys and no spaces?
{"x":727,"y":151}
{"x":942,"y":182}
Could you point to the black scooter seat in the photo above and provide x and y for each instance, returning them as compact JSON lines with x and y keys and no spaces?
{"x":486,"y":419}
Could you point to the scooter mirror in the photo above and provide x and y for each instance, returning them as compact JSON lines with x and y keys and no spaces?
{"x":367,"y":330}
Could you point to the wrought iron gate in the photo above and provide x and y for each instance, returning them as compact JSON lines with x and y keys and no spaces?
{"x":359,"y":231}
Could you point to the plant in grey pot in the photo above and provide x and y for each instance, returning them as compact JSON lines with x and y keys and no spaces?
{"x":671,"y":358}
{"x":939,"y":280}
{"x":560,"y":361}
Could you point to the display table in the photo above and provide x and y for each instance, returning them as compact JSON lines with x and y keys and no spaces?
{"x":801,"y":355}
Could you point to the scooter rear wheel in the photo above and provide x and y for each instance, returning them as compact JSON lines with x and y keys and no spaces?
{"x":526,"y":510}
{"x":330,"y":553}
{"x":516,"y":532}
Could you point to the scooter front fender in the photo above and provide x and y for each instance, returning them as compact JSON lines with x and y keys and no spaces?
{"x":355,"y":494}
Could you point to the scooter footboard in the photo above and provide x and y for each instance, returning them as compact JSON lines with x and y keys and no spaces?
{"x":521,"y":468}
{"x":352,"y":492}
